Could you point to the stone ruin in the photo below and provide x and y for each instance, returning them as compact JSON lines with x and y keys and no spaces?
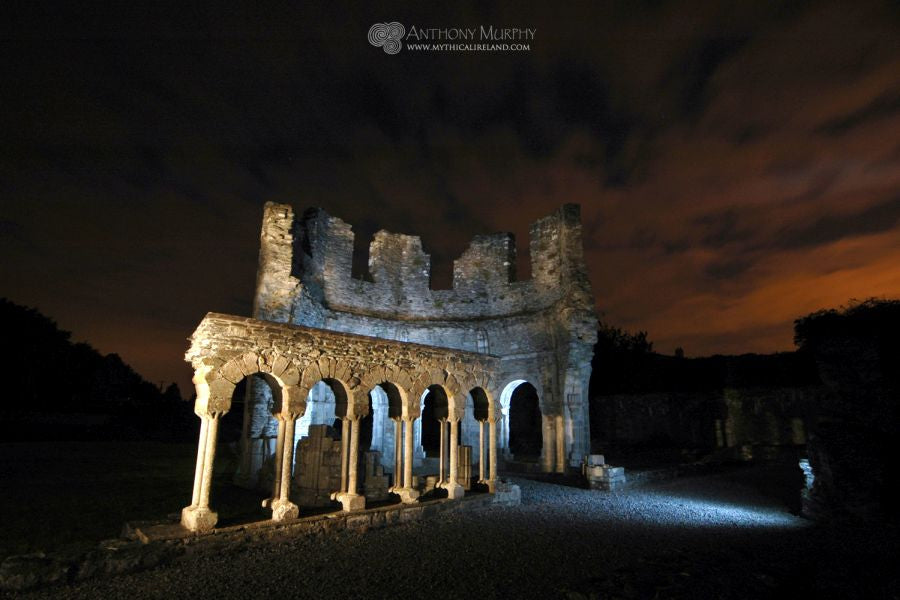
{"x":419,"y":373}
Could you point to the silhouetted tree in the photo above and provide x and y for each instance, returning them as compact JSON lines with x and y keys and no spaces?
{"x":44,"y":372}
{"x":854,"y":430}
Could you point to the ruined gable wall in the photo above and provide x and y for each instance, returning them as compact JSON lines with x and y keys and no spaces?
{"x":483,"y":285}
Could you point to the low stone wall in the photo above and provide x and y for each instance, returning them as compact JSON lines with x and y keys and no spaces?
{"x":145,"y":545}
{"x":749,"y":421}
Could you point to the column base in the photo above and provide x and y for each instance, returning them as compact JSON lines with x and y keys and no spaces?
{"x":351,"y":502}
{"x":491,"y":485}
{"x":283,"y":510}
{"x":454,"y":490}
{"x":194,"y":518}
{"x":407,"y":495}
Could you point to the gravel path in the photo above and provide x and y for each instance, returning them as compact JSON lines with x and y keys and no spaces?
{"x":716,"y":536}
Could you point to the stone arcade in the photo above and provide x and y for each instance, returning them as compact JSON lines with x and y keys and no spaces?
{"x":325,"y":346}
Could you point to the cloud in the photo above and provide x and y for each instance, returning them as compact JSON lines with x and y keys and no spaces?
{"x":829,"y":228}
{"x":736,"y":165}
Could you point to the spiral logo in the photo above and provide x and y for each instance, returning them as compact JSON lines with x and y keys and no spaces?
{"x":387,"y":36}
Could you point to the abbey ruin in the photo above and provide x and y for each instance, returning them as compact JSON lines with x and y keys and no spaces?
{"x":443,"y":386}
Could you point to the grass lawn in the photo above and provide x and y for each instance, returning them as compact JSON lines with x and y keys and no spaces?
{"x":55,"y":495}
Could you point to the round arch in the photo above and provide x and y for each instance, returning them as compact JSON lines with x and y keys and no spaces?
{"x":521,"y":430}
{"x":481,"y":403}
{"x":388,"y":404}
{"x":434,"y":406}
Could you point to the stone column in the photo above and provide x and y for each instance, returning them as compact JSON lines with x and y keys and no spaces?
{"x":398,"y":453}
{"x":481,"y":453}
{"x":198,"y":516}
{"x":201,"y":456}
{"x":354,"y":455}
{"x":441,"y":469}
{"x":408,"y":494}
{"x":345,"y":446}
{"x":349,"y":498}
{"x":454,"y":490}
{"x":492,"y":474}
{"x":560,"y":445}
{"x":282,"y":507}
{"x":212,"y":432}
{"x":277,"y":459}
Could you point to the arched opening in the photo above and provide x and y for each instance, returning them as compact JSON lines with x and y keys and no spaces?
{"x":317,"y":443}
{"x":386,"y":407}
{"x":480,"y":404}
{"x":320,"y":407}
{"x":434,"y":409}
{"x":234,"y":503}
{"x":525,"y":431}
{"x":366,"y":426}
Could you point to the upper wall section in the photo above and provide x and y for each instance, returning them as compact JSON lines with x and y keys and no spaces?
{"x":308,"y":260}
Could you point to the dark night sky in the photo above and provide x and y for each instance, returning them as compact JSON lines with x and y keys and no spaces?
{"x":737,"y":163}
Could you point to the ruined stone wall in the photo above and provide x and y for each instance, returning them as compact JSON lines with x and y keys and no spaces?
{"x":754,"y":422}
{"x":543,"y":329}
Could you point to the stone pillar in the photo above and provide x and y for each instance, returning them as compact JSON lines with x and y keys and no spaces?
{"x":349,"y":498}
{"x":454,"y":490}
{"x":277,"y":459}
{"x":201,"y":456}
{"x":354,"y":455}
{"x":212,"y":431}
{"x":345,"y":446}
{"x":492,"y":453}
{"x":198,"y":516}
{"x":408,"y":494}
{"x":441,"y":469}
{"x":282,"y":507}
{"x":560,"y":445}
{"x":398,"y":453}
{"x":481,"y":453}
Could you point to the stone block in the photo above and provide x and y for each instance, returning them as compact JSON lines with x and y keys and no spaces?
{"x":198,"y":519}
{"x":605,"y":477}
{"x":507,"y":494}
{"x":282,"y":510}
{"x":351,"y":502}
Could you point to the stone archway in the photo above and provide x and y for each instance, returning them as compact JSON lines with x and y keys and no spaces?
{"x":225,"y":349}
{"x":435,"y":411}
{"x":525,"y":424}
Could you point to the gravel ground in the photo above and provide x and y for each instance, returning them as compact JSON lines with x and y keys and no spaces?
{"x":717,"y":536}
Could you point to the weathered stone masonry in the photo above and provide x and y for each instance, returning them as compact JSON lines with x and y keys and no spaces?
{"x":329,"y":342}
{"x":226,"y":349}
